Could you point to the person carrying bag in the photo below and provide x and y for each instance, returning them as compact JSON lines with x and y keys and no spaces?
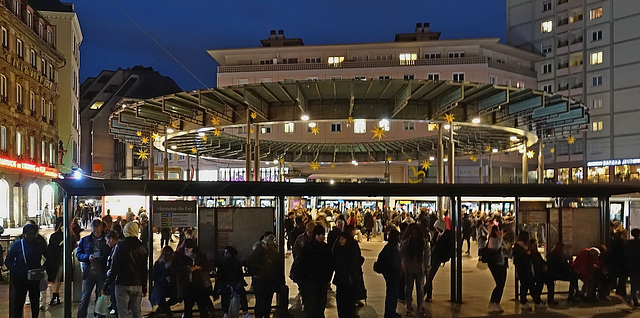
{"x":36,"y":274}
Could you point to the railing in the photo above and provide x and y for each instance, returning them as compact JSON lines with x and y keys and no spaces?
{"x":563,"y":65}
{"x":577,"y":40}
{"x":563,"y":43}
{"x":563,"y":21}
{"x":349,"y":64}
{"x":563,"y":87}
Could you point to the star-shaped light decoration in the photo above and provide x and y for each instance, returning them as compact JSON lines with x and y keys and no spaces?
{"x":144,"y":140}
{"x":333,"y":165}
{"x":552,"y":150}
{"x":530,"y":154}
{"x":349,"y":121}
{"x":379,"y":133}
{"x":449,"y":118}
{"x":215,"y":121}
{"x":174,"y":124}
{"x":254,"y":115}
{"x":251,"y":130}
{"x":194,"y":150}
{"x":281,"y":159}
{"x":389,"y":159}
{"x":217,"y":132}
{"x":204,"y":138}
{"x":571,"y":140}
{"x":473,"y":158}
{"x":409,"y":160}
{"x":142,"y":154}
{"x":314,"y":165}
{"x":155,"y":136}
{"x":315,"y":130}
{"x":426,"y":164}
{"x":138,"y":133}
{"x":487,"y":148}
{"x":130,"y":146}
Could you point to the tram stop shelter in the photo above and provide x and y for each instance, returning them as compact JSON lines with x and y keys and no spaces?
{"x":456,"y":192}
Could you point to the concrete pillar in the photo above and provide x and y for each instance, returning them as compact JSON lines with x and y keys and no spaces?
{"x":525,"y":171}
{"x":440,"y":175}
{"x":256,"y":156}
{"x":540,"y":162}
{"x":128,"y":153}
{"x":247,"y":176}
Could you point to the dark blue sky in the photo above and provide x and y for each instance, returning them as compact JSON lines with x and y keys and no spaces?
{"x":187,"y":28}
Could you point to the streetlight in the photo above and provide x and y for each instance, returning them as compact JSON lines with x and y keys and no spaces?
{"x":305,"y":117}
{"x":476,"y":120}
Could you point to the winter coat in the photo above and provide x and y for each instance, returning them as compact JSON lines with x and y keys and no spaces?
{"x":34,"y":250}
{"x":85,"y":250}
{"x":314,"y":264}
{"x":129,"y":264}
{"x":187,"y":281}
{"x":164,"y":282}
{"x":265,"y":263}
{"x":345,"y":263}
{"x":442,"y":248}
{"x":632,"y":255}
{"x":388,"y":261}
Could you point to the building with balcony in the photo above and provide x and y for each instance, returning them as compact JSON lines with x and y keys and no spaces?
{"x":590,"y":54}
{"x":68,"y":40}
{"x":29,"y":97}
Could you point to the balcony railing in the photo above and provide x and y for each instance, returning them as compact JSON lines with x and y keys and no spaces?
{"x":577,"y":40}
{"x":563,"y":65}
{"x":349,"y":64}
{"x":563,"y":43}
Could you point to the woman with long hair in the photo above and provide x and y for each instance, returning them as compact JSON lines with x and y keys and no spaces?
{"x":164,"y":282}
{"x":497,"y":266}
{"x":54,"y":265}
{"x":413,"y":265}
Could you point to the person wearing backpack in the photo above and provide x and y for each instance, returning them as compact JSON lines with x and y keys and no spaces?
{"x":442,"y":250}
{"x":388,"y":264}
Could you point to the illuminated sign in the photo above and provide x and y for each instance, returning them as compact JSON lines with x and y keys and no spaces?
{"x":29,"y":167}
{"x":613,"y":162}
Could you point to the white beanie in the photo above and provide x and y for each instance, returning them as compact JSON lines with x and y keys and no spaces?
{"x":130,"y":229}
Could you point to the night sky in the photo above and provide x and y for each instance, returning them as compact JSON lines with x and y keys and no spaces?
{"x":187,"y":28}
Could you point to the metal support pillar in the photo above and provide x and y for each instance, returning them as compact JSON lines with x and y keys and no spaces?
{"x":454,"y":257}
{"x":151,"y":164}
{"x":198,"y":166}
{"x":247,"y":176}
{"x":605,"y":218}
{"x":440,"y":175}
{"x":540,"y":162}
{"x":458,"y":252}
{"x":67,"y":260}
{"x":516,"y":210}
{"x":188,"y":167}
{"x":525,"y":167}
{"x":452,"y":156}
{"x":256,"y":157}
{"x":150,"y":244}
{"x":165,"y":164}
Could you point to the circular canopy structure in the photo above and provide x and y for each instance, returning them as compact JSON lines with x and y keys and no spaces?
{"x":503,"y":112}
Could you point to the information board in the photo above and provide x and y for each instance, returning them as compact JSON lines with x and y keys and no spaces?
{"x":174,"y":213}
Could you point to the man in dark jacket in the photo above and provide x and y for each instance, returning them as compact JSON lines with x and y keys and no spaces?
{"x":466,"y":231}
{"x":442,"y":250}
{"x":314,"y":268}
{"x":388,"y":264}
{"x":129,"y":272}
{"x":334,"y":233}
{"x":92,"y":253}
{"x":368,"y":224}
{"x":632,"y":254}
{"x":266,"y":265}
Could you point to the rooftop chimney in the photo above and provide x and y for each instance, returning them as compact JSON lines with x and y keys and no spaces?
{"x":280,"y":34}
{"x":425,"y":29}
{"x":272,"y":35}
{"x":418,"y":27}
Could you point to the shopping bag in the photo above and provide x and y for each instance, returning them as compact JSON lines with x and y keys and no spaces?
{"x":102,"y":305}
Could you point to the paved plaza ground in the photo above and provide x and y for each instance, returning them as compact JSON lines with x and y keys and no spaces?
{"x":477,"y":286}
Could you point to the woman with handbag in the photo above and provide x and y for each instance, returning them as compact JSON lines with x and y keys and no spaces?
{"x":24,"y":263}
{"x":497,"y":265}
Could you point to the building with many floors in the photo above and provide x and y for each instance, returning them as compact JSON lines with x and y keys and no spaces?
{"x":29,"y":97}
{"x":590,"y":53}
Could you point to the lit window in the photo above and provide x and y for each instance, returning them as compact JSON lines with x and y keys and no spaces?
{"x":265,"y":129}
{"x":408,"y":126}
{"x":32,"y":147}
{"x":433,"y":76}
{"x":595,"y":13}
{"x":3,"y":138}
{"x":596,"y":80}
{"x":597,"y":126}
{"x":596,"y":58}
{"x":5,"y":37}
{"x":596,"y":103}
{"x":336,"y":127}
{"x":52,"y":153}
{"x":408,"y":58}
{"x":546,"y":26}
{"x":335,"y":60}
{"x":596,"y":35}
{"x":458,"y":77}
{"x":359,"y":126}
{"x":288,"y":128}
{"x":432,"y":127}
{"x":384,"y":124}
{"x":34,"y":62}
{"x":546,"y":68}
{"x":546,"y":6}
{"x":43,"y":153}
{"x":18,"y":144}
{"x":19,"y":95}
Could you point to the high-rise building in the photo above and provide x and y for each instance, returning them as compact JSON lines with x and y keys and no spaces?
{"x":100,"y":96}
{"x":590,"y":51}
{"x":68,"y":39}
{"x":29,"y":95}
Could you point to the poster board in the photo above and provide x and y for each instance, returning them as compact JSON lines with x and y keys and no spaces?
{"x":533,"y":218}
{"x":580,"y":228}
{"x":240,"y":227}
{"x":174,"y":213}
{"x":634,"y":215}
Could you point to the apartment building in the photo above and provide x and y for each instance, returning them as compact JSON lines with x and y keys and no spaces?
{"x":29,"y":95}
{"x":590,"y":50}
{"x":68,"y":40}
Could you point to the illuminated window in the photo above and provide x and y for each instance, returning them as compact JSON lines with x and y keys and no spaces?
{"x":19,"y":95}
{"x":3,"y":88}
{"x":265,"y":129}
{"x":52,"y":153}
{"x":335,"y":60}
{"x":5,"y":37}
{"x":408,"y":58}
{"x":288,"y":128}
{"x":458,"y":76}
{"x":596,"y":35}
{"x":359,"y":126}
{"x":32,"y":147}
{"x":43,"y":154}
{"x":432,"y":127}
{"x":596,"y":80}
{"x":597,"y":126}
{"x":18,"y":144}
{"x":3,"y":138}
{"x":596,"y":58}
{"x":595,"y":13}
{"x":596,"y":103}
{"x":384,"y":124}
{"x":32,"y":103}
{"x":546,"y":26}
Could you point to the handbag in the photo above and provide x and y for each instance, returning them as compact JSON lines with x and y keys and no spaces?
{"x":38,"y":274}
{"x":489,"y":255}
